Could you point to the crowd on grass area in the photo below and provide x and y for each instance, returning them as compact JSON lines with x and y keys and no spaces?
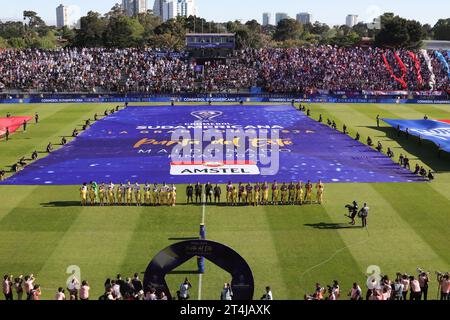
{"x":132,"y":288}
{"x":241,"y":194}
{"x":295,"y":70}
{"x":404,"y":287}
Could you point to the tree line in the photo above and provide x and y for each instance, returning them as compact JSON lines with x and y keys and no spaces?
{"x":116,"y":30}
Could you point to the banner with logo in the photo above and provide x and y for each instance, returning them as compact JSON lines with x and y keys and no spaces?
{"x":427,"y":58}
{"x":417,"y":67}
{"x":12,"y":123}
{"x":402,"y":67}
{"x":444,"y":62}
{"x":437,"y":131}
{"x":186,"y":144}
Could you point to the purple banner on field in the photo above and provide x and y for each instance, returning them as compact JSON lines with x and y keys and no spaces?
{"x":135,"y":145}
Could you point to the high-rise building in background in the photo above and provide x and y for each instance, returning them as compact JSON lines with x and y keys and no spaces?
{"x":134,"y":7}
{"x":280,"y":16}
{"x":304,"y":18}
{"x":62,"y":16}
{"x":267,"y":19}
{"x":170,"y":9}
{"x":158,"y":7}
{"x":351,"y":20}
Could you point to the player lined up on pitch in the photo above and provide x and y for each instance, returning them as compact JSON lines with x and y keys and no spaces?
{"x":127,"y":194}
{"x":164,"y":195}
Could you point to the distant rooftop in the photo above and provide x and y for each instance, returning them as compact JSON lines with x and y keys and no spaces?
{"x":437,"y":44}
{"x":211,"y":34}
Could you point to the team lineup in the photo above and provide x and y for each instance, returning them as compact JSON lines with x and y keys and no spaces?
{"x":164,"y":195}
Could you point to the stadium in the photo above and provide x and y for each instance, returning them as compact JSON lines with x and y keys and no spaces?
{"x":317,"y":172}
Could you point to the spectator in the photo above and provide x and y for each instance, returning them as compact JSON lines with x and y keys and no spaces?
{"x":444,"y":283}
{"x":84,"y":290}
{"x":398,"y":289}
{"x":7,"y":287}
{"x":60,"y":294}
{"x":116,"y":290}
{"x":73,"y":286}
{"x":415,"y":288}
{"x":29,"y":285}
{"x":356,"y":292}
{"x":151,"y":295}
{"x":137,"y":283}
{"x":36,"y":293}
{"x":162,"y":296}
{"x":18,"y":286}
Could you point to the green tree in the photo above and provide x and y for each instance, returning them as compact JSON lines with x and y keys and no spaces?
{"x":441,"y":29}
{"x":427,"y":31}
{"x":123,"y":32}
{"x":415,"y":33}
{"x":361,"y":29}
{"x":48,"y":41}
{"x":91,"y":30}
{"x":253,"y":26}
{"x":171,"y":33}
{"x":35,"y":24}
{"x":397,"y":32}
{"x":12,"y":29}
{"x":149,"y":22}
{"x":17,"y":43}
{"x":349,"y":40}
{"x":288,"y":29}
{"x":167,"y":41}
{"x":67,"y":34}
{"x":319,"y":28}
{"x":3,"y":43}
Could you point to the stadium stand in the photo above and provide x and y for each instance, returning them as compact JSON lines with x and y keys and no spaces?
{"x":296,"y":70}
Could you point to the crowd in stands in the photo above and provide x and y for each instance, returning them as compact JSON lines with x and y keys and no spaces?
{"x":295,"y":70}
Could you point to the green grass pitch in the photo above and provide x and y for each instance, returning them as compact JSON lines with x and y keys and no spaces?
{"x":43,"y":230}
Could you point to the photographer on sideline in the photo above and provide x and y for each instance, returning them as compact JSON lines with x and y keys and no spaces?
{"x":227,"y":293}
{"x":268,"y":295}
{"x":423,"y":281}
{"x":363,"y":214}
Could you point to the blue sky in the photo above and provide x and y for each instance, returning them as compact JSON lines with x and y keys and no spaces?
{"x":329,"y":11}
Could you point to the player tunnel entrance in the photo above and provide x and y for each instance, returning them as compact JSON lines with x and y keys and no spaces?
{"x":221,"y":255}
